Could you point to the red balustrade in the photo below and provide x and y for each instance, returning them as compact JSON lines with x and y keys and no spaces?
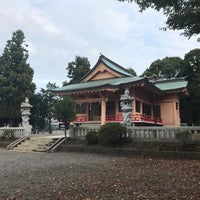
{"x":119,"y":118}
{"x":81,"y":119}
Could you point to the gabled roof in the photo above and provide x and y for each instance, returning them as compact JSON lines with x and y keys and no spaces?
{"x":171,"y":84}
{"x":109,"y":64}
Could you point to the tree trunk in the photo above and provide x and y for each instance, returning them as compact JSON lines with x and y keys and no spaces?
{"x":65,"y":124}
{"x":65,"y":132}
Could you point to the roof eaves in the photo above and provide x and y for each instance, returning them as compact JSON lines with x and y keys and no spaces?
{"x":174,"y":91}
{"x":99,"y":84}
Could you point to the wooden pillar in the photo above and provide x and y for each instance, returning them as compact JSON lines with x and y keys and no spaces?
{"x":103,"y":111}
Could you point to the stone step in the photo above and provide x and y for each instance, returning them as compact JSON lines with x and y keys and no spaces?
{"x":40,"y":150}
{"x":22,"y":150}
{"x":36,"y":144}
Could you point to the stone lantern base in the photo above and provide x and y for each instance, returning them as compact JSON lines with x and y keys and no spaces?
{"x":27,"y":129}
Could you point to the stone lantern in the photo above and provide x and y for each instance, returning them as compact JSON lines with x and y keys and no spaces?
{"x":126,"y":107}
{"x":25,"y":112}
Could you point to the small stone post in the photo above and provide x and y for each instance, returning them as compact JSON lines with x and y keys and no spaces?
{"x":126,"y":107}
{"x":25,"y":112}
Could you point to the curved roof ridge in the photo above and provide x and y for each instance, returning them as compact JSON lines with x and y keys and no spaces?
{"x":121,"y":69}
{"x":111,"y":65}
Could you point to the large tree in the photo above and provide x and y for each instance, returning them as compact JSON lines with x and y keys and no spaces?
{"x":65,"y":111}
{"x":48,"y":100}
{"x":42,"y":110}
{"x":16,"y":77}
{"x":181,"y":14}
{"x":169,"y":67}
{"x":39,"y":112}
{"x":77,"y":69}
{"x":190,"y":105}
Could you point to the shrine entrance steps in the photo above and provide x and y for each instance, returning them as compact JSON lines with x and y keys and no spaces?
{"x":37,"y":144}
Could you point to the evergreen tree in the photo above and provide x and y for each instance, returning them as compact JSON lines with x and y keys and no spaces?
{"x":132,"y":71}
{"x":15,"y":79}
{"x":42,"y":110}
{"x":38,"y":112}
{"x":169,"y":67}
{"x":77,"y":69}
{"x":48,"y":102}
{"x":190,"y":105}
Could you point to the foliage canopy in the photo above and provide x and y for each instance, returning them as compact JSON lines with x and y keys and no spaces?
{"x":42,"y":110}
{"x":192,"y":73}
{"x":64,"y":111}
{"x":78,"y":68}
{"x":16,"y":77}
{"x":181,"y":14}
{"x":169,"y":67}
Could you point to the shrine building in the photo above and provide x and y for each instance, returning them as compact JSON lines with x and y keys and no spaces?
{"x":97,"y":96}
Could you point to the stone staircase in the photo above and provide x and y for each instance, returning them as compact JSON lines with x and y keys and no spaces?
{"x":38,"y":144}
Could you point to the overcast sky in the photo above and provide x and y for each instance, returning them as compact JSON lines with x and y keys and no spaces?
{"x":58,"y":30}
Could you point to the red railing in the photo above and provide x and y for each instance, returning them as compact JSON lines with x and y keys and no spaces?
{"x":81,"y":119}
{"x":119,"y":118}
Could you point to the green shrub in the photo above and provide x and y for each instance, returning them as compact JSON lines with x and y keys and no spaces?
{"x":184,"y":137}
{"x":92,"y":137}
{"x":7,"y":134}
{"x":112,"y":134}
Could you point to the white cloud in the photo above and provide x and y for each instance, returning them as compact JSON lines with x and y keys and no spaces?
{"x":57,"y":31}
{"x":41,"y":22}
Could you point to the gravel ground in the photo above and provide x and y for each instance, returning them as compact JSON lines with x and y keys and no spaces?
{"x":63,"y":175}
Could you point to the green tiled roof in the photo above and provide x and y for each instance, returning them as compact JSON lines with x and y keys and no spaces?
{"x":115,"y":67}
{"x":114,"y":82}
{"x":163,"y":85}
{"x":159,"y":85}
{"x":171,"y":84}
{"x":110,"y":64}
